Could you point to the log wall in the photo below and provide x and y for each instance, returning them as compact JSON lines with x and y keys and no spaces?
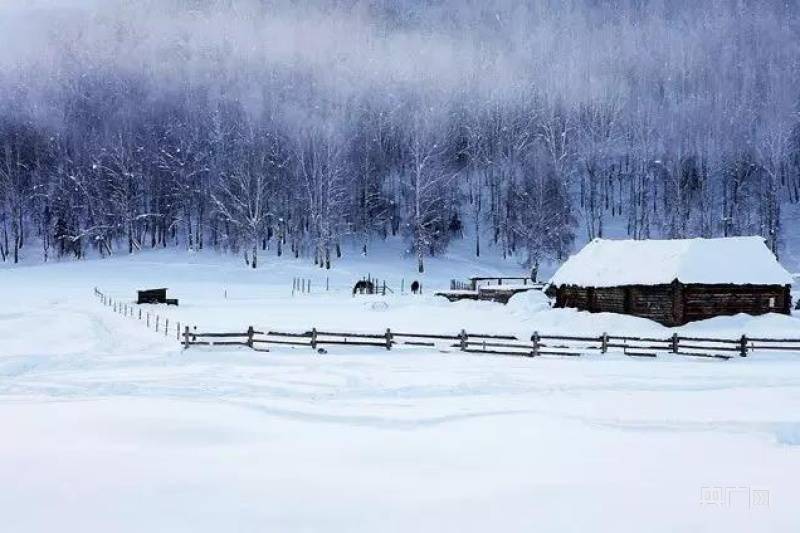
{"x":677,"y":304}
{"x":705,"y":301}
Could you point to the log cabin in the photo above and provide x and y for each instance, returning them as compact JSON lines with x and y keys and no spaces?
{"x":674,"y":281}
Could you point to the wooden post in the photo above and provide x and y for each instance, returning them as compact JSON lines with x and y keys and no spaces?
{"x":148,"y":320}
{"x":178,"y":330}
{"x":384,"y":287}
{"x":250,"y":334}
{"x":402,"y":285}
{"x":166,"y":327}
{"x":535,"y":344}
{"x":463,"y":339}
{"x":140,"y":313}
{"x":158,"y":319}
{"x":186,"y":338}
{"x":743,"y":346}
{"x":327,"y":283}
{"x":604,"y":343}
{"x":388,"y":339}
{"x":675,"y":343}
{"x":313,"y":338}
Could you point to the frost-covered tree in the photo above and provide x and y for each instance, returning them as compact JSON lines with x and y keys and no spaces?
{"x":129,"y":125}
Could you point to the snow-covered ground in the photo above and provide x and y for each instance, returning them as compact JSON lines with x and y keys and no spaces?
{"x":107,"y":426}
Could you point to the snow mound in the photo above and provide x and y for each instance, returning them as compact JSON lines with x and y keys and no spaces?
{"x":529,"y":302}
{"x":377,"y":306}
{"x":768,"y":325}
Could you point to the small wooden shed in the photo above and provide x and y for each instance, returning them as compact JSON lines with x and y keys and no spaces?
{"x":674,"y":281}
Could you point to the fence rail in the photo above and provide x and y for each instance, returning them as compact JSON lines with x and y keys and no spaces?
{"x":160,"y":324}
{"x":537,"y":345}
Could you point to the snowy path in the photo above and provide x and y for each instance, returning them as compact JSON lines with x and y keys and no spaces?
{"x":110,"y":427}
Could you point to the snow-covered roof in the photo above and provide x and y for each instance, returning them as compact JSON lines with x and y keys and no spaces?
{"x":734,"y":260}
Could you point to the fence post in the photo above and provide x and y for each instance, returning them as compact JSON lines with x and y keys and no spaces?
{"x":604,"y":343}
{"x":148,"y":320}
{"x":158,"y":319}
{"x":309,"y":286}
{"x":402,"y":285}
{"x":675,"y":342}
{"x":327,"y":283}
{"x":186,"y":338}
{"x":166,"y":327}
{"x":313,"y":338}
{"x":388,"y":339}
{"x":178,"y":330}
{"x":140,"y":313}
{"x":250,"y":333}
{"x":535,"y":343}
{"x":463,"y":339}
{"x":743,"y":346}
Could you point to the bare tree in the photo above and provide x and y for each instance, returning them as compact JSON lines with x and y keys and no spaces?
{"x":426,"y":182}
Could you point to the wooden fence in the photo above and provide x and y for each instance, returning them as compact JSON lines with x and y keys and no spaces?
{"x":157,"y":322}
{"x":538,"y":344}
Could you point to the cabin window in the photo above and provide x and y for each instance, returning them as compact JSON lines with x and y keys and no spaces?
{"x":772,"y":302}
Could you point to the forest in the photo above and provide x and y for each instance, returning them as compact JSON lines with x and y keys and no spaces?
{"x":270,"y":128}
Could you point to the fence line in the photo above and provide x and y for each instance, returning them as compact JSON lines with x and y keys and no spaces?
{"x":154,"y":321}
{"x":537,"y":345}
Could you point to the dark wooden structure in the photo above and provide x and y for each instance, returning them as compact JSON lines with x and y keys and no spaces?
{"x":674,"y":281}
{"x":155,"y":296}
{"x":676,"y":304}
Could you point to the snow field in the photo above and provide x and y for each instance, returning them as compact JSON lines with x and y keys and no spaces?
{"x":111,"y":427}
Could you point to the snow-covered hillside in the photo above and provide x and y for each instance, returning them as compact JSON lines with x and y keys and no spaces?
{"x":108,"y":426}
